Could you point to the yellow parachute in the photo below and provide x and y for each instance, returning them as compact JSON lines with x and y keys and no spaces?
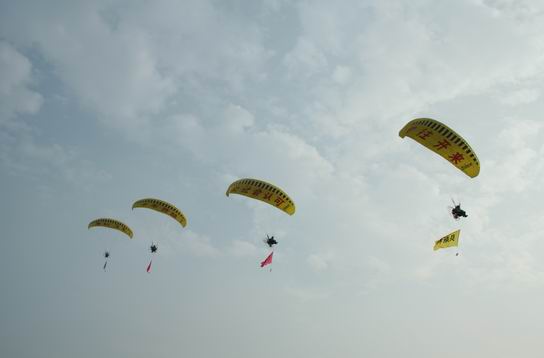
{"x":162,"y":207}
{"x":112,"y":224}
{"x":263,"y":191}
{"x":445,"y":142}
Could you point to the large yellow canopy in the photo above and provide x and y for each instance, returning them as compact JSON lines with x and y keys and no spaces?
{"x":162,"y":207}
{"x":112,"y":224}
{"x":263,"y":191}
{"x":445,"y":142}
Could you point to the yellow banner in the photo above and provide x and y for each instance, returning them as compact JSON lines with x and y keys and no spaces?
{"x":447,"y":241}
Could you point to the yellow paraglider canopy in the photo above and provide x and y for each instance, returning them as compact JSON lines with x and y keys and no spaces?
{"x":263,"y":191}
{"x":162,"y":207}
{"x":445,"y":142}
{"x":112,"y":224}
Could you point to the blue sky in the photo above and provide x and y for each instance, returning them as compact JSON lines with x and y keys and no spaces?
{"x":106,"y":102}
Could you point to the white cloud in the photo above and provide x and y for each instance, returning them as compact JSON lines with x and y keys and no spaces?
{"x":113,"y":72}
{"x":404,"y":60}
{"x":198,"y":245}
{"x":237,"y":119}
{"x":341,"y":74}
{"x":316,"y":108}
{"x":337,"y":149}
{"x":518,"y":163}
{"x":240,"y":248}
{"x":520,"y":97}
{"x":306,"y":295}
{"x":16,"y":95}
{"x":317,"y":262}
{"x":305,"y":58}
{"x":520,"y":9}
{"x":238,"y":144}
{"x":23,"y":155}
{"x":127,"y":65}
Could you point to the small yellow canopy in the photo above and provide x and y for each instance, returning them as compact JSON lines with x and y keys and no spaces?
{"x":445,"y":142}
{"x":162,"y":207}
{"x":112,"y":224}
{"x":263,"y":191}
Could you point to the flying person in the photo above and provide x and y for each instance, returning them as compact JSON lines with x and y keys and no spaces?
{"x":456,"y":211}
{"x":153,"y":248}
{"x":270,"y":241}
{"x":106,"y":255}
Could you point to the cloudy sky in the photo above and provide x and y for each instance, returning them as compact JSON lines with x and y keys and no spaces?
{"x":106,"y":102}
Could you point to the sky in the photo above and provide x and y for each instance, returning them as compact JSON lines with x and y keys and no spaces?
{"x":106,"y":102}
